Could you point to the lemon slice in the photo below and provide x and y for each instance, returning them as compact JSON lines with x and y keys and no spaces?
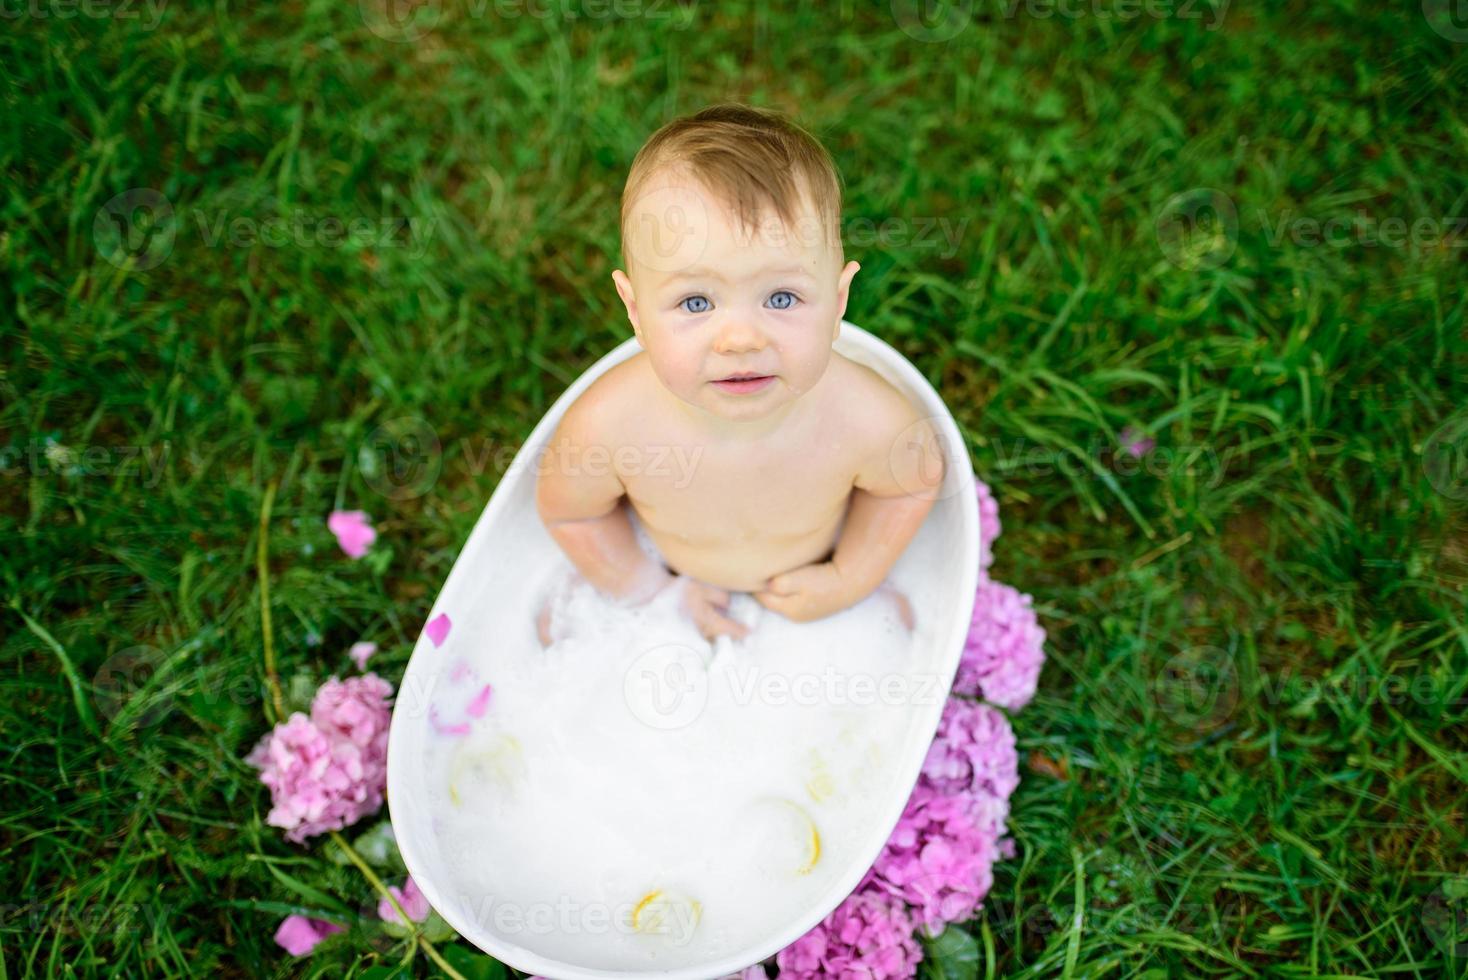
{"x":820,"y":785}
{"x":669,"y":913}
{"x":494,"y":761}
{"x":783,"y":835}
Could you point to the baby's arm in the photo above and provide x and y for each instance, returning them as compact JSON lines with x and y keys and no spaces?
{"x":891,"y":496}
{"x":582,"y":508}
{"x":889,"y":502}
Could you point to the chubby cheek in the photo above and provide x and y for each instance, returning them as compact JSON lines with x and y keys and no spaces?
{"x":805,"y":354}
{"x":808,"y":369}
{"x":677,"y":365}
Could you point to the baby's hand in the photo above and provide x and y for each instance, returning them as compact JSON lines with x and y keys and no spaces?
{"x":806,"y":593}
{"x":708,"y":607}
{"x":814,"y":591}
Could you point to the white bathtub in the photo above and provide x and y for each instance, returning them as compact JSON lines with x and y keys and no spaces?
{"x":493,"y":586}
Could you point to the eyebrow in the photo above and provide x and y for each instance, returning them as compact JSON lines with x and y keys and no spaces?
{"x":700,"y":272}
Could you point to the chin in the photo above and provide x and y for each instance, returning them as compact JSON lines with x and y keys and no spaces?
{"x":739,"y":410}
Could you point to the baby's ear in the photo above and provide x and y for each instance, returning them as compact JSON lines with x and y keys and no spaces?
{"x":843,"y":290}
{"x":629,"y":300}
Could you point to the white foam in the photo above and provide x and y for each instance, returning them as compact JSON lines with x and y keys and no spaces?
{"x":634,"y":798}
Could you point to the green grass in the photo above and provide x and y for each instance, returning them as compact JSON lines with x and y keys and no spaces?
{"x":1227,"y":771}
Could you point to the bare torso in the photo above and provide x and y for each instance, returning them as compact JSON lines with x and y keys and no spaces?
{"x":734,"y":511}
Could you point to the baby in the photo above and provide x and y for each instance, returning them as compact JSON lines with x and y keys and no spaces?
{"x":809,"y":472}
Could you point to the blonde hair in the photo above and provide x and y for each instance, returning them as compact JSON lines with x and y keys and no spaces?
{"x":750,"y":158}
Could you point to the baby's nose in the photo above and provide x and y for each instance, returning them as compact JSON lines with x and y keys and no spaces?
{"x":738,"y":335}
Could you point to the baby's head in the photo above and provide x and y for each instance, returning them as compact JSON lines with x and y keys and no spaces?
{"x":731,"y":241}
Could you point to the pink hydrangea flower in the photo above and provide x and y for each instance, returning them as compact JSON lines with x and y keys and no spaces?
{"x":299,"y":935}
{"x":1005,"y":648}
{"x":989,"y":526}
{"x":358,"y":709}
{"x":974,"y":751}
{"x":361,"y":653}
{"x":328,"y":770}
{"x":869,"y":936}
{"x":937,"y":865}
{"x":353,"y":530}
{"x":940,"y":858}
{"x":1135,"y":444}
{"x":410,"y":898}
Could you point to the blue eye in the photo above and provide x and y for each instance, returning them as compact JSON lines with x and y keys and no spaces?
{"x":695,"y":304}
{"x":782,"y":300}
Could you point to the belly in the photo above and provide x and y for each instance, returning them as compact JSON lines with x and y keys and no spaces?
{"x":743,"y":564}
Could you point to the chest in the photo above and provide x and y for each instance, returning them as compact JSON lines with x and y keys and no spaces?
{"x":720,"y":492}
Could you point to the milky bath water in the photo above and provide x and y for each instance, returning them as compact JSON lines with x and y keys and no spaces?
{"x":633,"y":798}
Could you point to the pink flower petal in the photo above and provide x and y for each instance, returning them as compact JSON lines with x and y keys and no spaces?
{"x":353,"y":530}
{"x":1134,"y":444}
{"x":438,"y":628}
{"x":410,"y":898}
{"x":479,"y":704}
{"x":461,"y":670}
{"x":299,"y":935}
{"x":459,"y":728}
{"x":361,"y":653}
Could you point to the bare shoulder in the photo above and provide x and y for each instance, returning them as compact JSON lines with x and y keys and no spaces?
{"x":875,"y":399}
{"x":899,"y":453}
{"x":601,"y":414}
{"x":575,"y":478}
